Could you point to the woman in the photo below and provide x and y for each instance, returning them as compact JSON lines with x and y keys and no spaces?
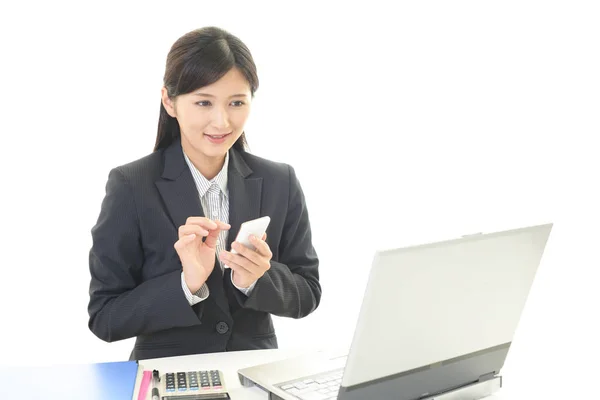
{"x":161,"y":266}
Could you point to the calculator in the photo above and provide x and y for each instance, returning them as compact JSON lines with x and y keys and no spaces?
{"x":193,"y":385}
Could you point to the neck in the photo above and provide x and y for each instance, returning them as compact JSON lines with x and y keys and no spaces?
{"x":209,"y":167}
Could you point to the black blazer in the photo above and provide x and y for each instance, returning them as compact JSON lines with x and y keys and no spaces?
{"x":135,"y":288}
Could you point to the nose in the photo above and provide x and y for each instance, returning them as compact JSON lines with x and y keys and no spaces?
{"x":220,"y":119}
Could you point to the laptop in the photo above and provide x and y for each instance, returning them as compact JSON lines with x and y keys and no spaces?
{"x":436,"y":322}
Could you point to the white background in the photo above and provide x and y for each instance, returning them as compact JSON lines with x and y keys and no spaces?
{"x":405,"y":124}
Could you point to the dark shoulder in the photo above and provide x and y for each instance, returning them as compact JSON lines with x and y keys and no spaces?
{"x":145,"y":168}
{"x":268,"y":169}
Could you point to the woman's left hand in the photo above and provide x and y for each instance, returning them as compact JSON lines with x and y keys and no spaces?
{"x":248,"y":265}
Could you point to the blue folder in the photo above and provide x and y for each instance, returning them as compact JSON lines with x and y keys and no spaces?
{"x":114,"y":381}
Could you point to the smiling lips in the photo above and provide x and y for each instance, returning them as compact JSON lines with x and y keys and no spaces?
{"x":217,"y":138}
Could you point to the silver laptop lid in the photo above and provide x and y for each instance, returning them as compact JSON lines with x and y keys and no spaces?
{"x":431,"y":303}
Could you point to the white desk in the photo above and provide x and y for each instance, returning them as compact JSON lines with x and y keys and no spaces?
{"x":229,"y":363}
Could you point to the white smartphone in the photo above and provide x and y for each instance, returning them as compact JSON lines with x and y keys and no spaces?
{"x":256,"y":227}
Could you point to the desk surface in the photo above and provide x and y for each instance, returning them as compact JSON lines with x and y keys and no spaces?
{"x":229,"y":363}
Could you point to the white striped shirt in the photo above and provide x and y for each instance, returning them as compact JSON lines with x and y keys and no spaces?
{"x":214,"y":197}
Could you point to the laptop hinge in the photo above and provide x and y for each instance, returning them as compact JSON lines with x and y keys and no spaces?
{"x":487,"y":377}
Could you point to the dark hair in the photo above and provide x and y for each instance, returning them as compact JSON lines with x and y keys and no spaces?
{"x":199,"y":58}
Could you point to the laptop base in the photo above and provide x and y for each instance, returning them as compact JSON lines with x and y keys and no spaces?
{"x":473,"y":391}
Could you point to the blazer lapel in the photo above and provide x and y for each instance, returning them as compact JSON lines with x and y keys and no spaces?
{"x":180,"y":195}
{"x":244,"y":194}
{"x":177,"y":187}
{"x":244,"y":197}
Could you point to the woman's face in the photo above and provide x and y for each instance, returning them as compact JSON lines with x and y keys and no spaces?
{"x":212,"y":118}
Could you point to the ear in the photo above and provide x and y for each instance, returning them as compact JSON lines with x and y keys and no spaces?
{"x":168,"y":104}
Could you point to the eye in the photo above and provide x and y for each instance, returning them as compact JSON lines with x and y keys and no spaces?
{"x":237,"y":103}
{"x":204,"y":103}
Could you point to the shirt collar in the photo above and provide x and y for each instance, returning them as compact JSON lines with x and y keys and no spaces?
{"x":204,"y":184}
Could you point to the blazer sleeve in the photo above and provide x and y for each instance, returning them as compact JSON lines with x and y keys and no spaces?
{"x":121,"y":304}
{"x":290,"y":288}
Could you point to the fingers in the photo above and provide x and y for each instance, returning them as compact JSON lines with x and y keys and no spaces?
{"x":201,"y":226}
{"x":224,"y":226}
{"x":262,"y":247}
{"x":184,"y":241}
{"x":201,"y":221}
{"x":241,"y":277}
{"x":213,"y":236}
{"x":192,"y":229}
{"x":240,"y":274}
{"x":246,"y":252}
{"x":234,"y":261}
{"x":207,"y":223}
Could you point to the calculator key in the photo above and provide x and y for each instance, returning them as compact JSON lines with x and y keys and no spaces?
{"x":181,"y":381}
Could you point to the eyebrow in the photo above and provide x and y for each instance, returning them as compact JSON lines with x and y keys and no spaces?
{"x":210,"y":95}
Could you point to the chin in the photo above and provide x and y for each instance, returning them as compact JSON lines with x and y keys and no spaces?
{"x":215,"y":151}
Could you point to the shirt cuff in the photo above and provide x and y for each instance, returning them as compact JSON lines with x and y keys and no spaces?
{"x":200,"y":295}
{"x":247,"y":291}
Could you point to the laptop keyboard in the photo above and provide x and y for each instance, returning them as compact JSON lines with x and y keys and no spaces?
{"x":324,"y":386}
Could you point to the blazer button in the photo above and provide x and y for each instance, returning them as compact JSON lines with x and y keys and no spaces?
{"x":222,"y":327}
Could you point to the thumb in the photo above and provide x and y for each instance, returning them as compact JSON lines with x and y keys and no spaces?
{"x":211,"y":239}
{"x":213,"y":235}
{"x":184,"y":241}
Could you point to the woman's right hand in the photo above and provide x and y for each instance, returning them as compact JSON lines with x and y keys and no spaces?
{"x":198,"y":256}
